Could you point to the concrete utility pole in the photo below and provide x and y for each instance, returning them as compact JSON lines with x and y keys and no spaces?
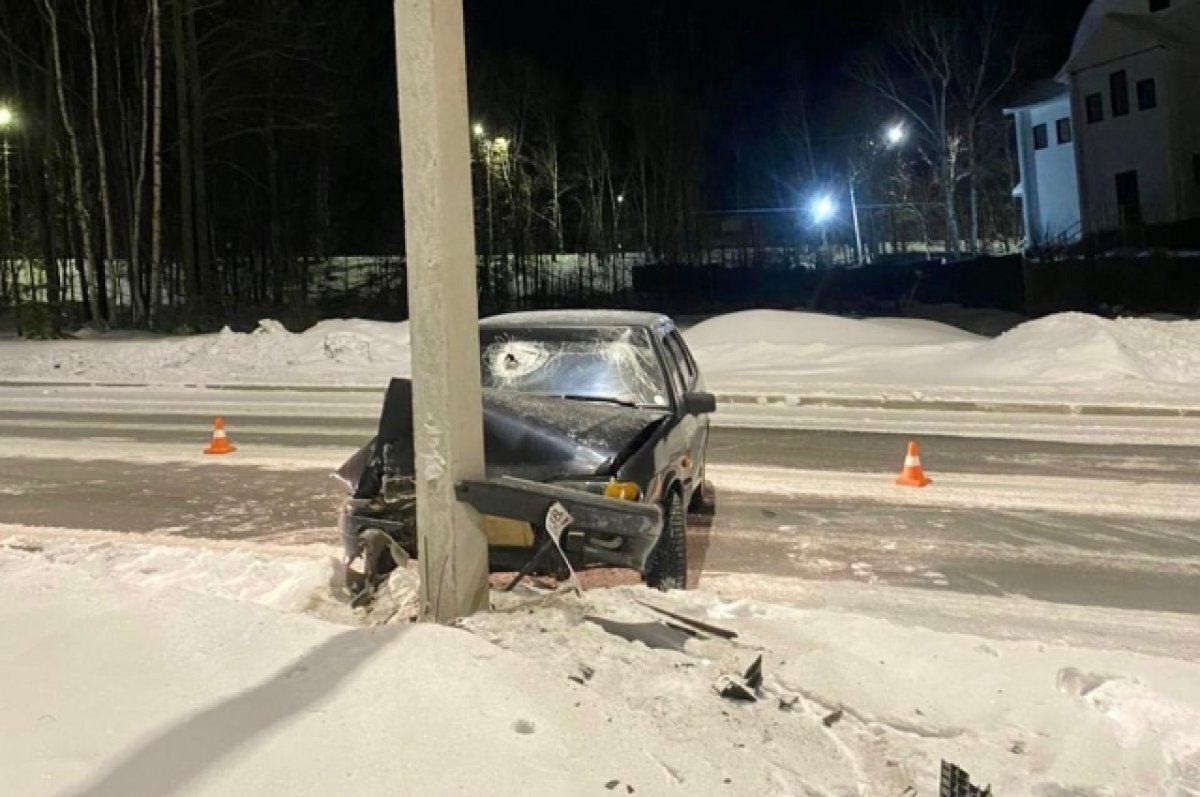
{"x":444,"y":313}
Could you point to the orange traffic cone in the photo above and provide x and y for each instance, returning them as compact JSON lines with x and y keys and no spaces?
{"x":220,"y":443}
{"x":913,"y":474}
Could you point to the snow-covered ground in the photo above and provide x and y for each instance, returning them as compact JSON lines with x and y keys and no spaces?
{"x":352,"y":352}
{"x":1063,"y":359}
{"x":154,"y":668}
{"x":1068,"y":358}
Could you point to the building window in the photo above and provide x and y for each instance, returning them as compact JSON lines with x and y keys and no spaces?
{"x":1129,"y":200}
{"x":1095,"y":108}
{"x":1063,"y":127}
{"x":1118,"y":87}
{"x":1159,"y":5}
{"x":1041,"y":137}
{"x":1147,"y":93}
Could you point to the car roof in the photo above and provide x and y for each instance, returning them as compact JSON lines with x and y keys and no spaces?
{"x":576,"y":318}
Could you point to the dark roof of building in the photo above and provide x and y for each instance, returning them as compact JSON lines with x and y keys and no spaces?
{"x":1040,"y":92}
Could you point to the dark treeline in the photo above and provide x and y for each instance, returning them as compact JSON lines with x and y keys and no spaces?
{"x":177,"y":161}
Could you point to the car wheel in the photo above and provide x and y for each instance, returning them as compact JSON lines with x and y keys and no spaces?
{"x":668,"y":563}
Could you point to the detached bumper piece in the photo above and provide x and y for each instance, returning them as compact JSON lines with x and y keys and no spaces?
{"x":580,"y":525}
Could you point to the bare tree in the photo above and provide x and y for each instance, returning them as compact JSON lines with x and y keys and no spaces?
{"x":945,"y":74}
{"x":101,"y":155}
{"x":917,"y":75}
{"x":137,"y":142}
{"x":82,"y":216}
{"x":984,"y":69}
{"x":156,"y":180}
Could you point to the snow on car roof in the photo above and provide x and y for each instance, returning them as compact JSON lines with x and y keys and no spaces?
{"x":575,"y":318}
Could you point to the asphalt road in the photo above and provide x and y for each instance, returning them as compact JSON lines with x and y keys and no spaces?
{"x":1082,"y":558}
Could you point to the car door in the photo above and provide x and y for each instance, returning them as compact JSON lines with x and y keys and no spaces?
{"x":689,"y":438}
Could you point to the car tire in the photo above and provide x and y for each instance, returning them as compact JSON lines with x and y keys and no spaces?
{"x":668,"y":563}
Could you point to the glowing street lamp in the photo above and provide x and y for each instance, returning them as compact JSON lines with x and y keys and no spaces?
{"x":896,"y":134}
{"x":822,"y":209}
{"x":8,"y":119}
{"x":478,"y":130}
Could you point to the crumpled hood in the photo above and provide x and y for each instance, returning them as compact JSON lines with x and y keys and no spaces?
{"x":538,"y":437}
{"x":530,"y":437}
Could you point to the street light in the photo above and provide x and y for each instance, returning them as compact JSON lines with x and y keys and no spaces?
{"x":7,"y":120}
{"x":478,"y":130}
{"x":617,"y":223}
{"x":896,"y":135}
{"x":822,"y":209}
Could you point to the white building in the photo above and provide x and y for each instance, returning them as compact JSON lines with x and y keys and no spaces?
{"x":1125,"y":119}
{"x":1049,"y":189}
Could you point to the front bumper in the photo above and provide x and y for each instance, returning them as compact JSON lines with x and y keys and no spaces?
{"x":604,"y":531}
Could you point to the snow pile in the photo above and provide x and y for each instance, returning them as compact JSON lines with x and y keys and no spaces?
{"x":356,"y":351}
{"x":113,"y":686}
{"x":291,"y":582}
{"x":1071,"y":358}
{"x":782,"y":328}
{"x":1080,"y":357}
{"x":1078,"y":347}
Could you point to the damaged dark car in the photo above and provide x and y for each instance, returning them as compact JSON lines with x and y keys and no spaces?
{"x":608,"y":403}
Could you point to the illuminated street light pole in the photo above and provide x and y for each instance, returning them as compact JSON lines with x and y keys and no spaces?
{"x":617,"y":222}
{"x":444,"y":312}
{"x":895,"y":135}
{"x":7,"y":120}
{"x":822,"y":210}
{"x":858,"y":244}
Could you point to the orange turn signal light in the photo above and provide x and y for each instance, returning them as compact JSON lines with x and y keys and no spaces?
{"x":622,"y":491}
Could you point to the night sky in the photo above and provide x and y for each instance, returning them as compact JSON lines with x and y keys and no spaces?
{"x":748,"y":43}
{"x":744,"y":58}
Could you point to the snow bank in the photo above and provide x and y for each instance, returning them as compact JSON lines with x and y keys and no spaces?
{"x":115,"y":685}
{"x":1070,"y":358}
{"x":1078,"y":347}
{"x":334,"y":351}
{"x":1072,"y":355}
{"x":815,"y":329}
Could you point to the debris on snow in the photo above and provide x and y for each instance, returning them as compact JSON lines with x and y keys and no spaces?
{"x":654,"y":635}
{"x":708,"y":628}
{"x":183,"y":655}
{"x":747,"y":688}
{"x":733,"y":688}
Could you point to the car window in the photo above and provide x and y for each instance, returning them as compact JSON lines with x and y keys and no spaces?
{"x":681,"y":356}
{"x":677,"y":378}
{"x":615,"y":364}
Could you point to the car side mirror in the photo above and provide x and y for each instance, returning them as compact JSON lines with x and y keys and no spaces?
{"x":699,"y":403}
